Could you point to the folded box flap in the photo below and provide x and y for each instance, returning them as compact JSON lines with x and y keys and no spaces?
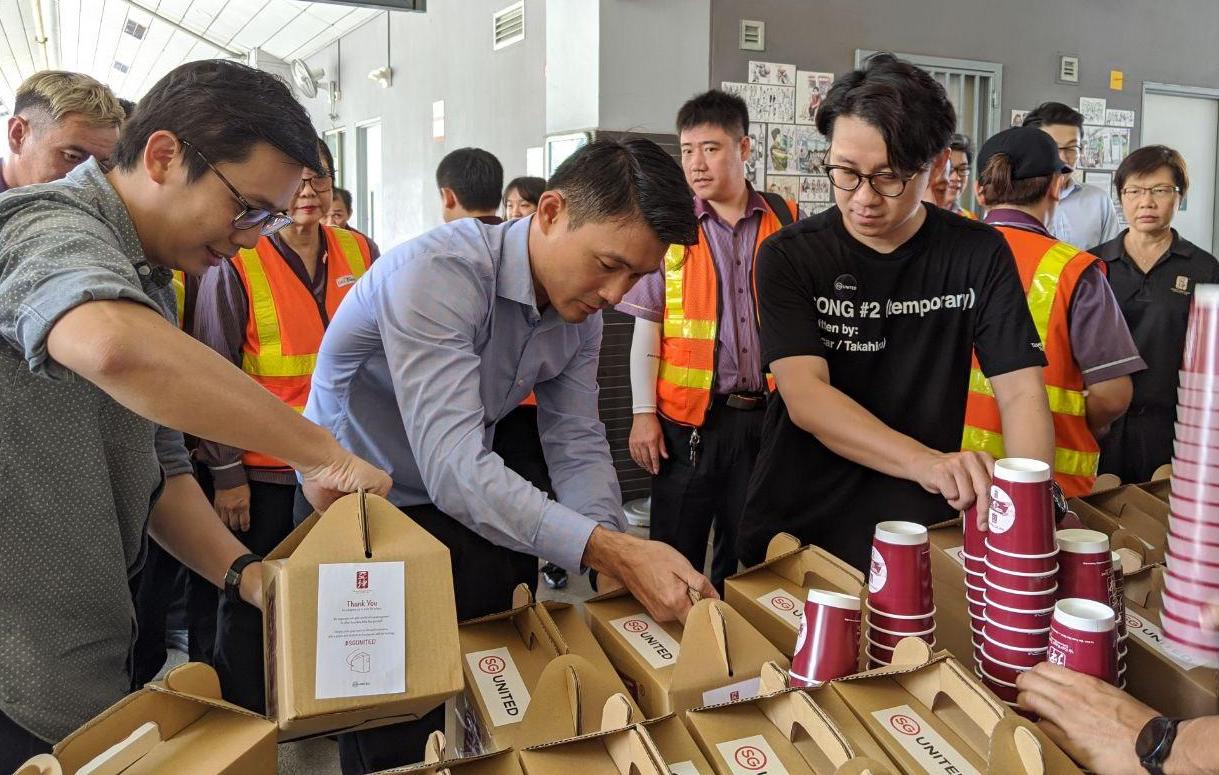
{"x":198,"y":682}
{"x":795,"y":715}
{"x":634,"y":753}
{"x":568,"y":700}
{"x":1015,"y":750}
{"x":357,"y":526}
{"x":42,"y":764}
{"x":718,"y":644}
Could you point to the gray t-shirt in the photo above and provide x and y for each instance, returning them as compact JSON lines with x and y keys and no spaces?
{"x":79,"y":473}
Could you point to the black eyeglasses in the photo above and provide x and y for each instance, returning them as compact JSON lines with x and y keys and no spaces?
{"x":887,"y":184}
{"x":250,"y":216}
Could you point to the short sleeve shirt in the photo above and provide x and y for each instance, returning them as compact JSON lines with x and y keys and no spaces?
{"x":897,"y":331}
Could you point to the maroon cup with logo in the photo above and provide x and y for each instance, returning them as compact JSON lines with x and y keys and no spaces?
{"x":899,"y":578}
{"x":1021,"y":519}
{"x":827,"y":646}
{"x":1085,"y":565}
{"x":1083,"y":638}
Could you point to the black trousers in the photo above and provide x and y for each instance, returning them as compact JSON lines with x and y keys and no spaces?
{"x":238,"y":658}
{"x":17,"y":745}
{"x":1137,"y":444}
{"x":517,"y":441}
{"x":689,"y":497}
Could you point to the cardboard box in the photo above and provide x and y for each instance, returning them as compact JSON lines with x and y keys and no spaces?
{"x":1132,"y":518}
{"x":677,"y":747}
{"x":372,"y":534}
{"x":195,"y":731}
{"x":771,"y":595}
{"x":437,"y":761}
{"x":567,"y":626}
{"x":1171,"y":683}
{"x":931,"y":715}
{"x":620,"y":748}
{"x":781,"y":726}
{"x":568,"y":702}
{"x":666,"y":667}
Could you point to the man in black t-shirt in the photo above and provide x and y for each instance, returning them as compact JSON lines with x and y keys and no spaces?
{"x":869,"y":312}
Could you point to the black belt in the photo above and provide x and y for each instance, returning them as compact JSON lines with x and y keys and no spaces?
{"x":746,"y":402}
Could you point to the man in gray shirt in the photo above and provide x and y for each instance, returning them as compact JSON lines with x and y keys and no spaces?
{"x":90,"y":366}
{"x":447,"y":334}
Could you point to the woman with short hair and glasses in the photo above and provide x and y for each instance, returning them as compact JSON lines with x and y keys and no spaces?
{"x":1153,"y":271}
{"x":265,"y":309}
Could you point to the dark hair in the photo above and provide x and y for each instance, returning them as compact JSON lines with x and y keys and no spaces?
{"x":475,"y":177}
{"x":718,"y":108}
{"x":128,"y":107}
{"x":1149,"y":159}
{"x":962,"y":143}
{"x":998,"y":188}
{"x":631,"y":179}
{"x":344,"y":195}
{"x":326,"y":156}
{"x":527,"y":187}
{"x":1052,"y":113}
{"x":223,"y":108}
{"x":904,"y":103}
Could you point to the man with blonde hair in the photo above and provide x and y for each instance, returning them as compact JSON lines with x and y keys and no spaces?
{"x":59,"y":120}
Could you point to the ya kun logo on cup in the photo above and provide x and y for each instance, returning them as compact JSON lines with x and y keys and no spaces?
{"x":500,"y":685}
{"x":648,"y":638}
{"x":878,"y":572}
{"x":1002,"y":511}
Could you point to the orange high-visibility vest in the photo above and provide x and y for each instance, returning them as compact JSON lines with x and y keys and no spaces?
{"x":691,"y":324}
{"x":284,"y":326}
{"x":1050,"y":271}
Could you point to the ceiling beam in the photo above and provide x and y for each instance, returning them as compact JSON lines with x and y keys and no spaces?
{"x":201,"y":38}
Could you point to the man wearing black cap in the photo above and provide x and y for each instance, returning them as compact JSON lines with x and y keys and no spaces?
{"x":1089,"y":351}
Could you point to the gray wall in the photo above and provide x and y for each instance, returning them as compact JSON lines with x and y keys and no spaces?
{"x":493,"y":99}
{"x":1169,"y":42}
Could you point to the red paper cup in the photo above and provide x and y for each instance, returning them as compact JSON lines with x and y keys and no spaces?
{"x":1193,"y":472}
{"x":1021,"y":519}
{"x":1209,"y":547}
{"x":1117,"y":594}
{"x":975,"y":565}
{"x":1006,"y":655}
{"x":1196,"y":454}
{"x":1201,"y":353}
{"x":1002,"y":670}
{"x":1183,"y":567}
{"x":1002,"y":689}
{"x":892,"y":623}
{"x":1025,"y":639}
{"x":1085,"y":565}
{"x":976,"y":610}
{"x":1190,"y":589}
{"x":1187,"y":636}
{"x":1194,"y":529}
{"x":975,"y":537}
{"x":891,"y":639}
{"x":828,"y":644}
{"x":1196,"y":500}
{"x":1017,"y":619}
{"x":1196,"y":381}
{"x":1186,"y":547}
{"x":1083,"y":638}
{"x":881,"y":651}
{"x":1205,"y":437}
{"x":1186,"y":610}
{"x":1196,"y":398}
{"x":1021,"y":581}
{"x":1035,"y":564}
{"x":899,"y":579}
{"x":1207,"y":419}
{"x":976,"y":578}
{"x":1023,"y":601}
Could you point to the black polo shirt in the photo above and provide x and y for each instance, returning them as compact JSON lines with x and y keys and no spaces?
{"x":1156,"y":306}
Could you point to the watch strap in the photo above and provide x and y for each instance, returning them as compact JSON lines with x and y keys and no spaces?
{"x":232,"y":578}
{"x":1159,"y":733}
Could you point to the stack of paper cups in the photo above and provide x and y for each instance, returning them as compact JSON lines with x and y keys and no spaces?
{"x":974,"y":552}
{"x":1192,"y":578}
{"x":900,"y":601}
{"x":1117,"y":601}
{"x":1020,"y":583}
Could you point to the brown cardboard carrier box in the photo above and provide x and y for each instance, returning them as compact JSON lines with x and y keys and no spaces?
{"x":621,"y":746}
{"x":436,"y":761}
{"x":783,"y":730}
{"x":179,"y":724}
{"x":357,"y":529}
{"x":668,"y":668}
{"x":1134,"y":518}
{"x":771,"y":594}
{"x":930,"y":714}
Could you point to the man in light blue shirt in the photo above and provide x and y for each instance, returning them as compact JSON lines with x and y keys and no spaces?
{"x":1085,"y":216}
{"x":447,"y":333}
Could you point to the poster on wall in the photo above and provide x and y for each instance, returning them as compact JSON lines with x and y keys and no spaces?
{"x":1093,"y":109}
{"x":786,"y":186}
{"x":811,"y":89}
{"x":1104,"y":147}
{"x":755,"y":165}
{"x":811,"y":146}
{"x":781,"y":150}
{"x":1102,"y":180}
{"x":1123,"y":118}
{"x":1018,"y":117}
{"x":818,"y":207}
{"x":772,"y":74}
{"x":815,"y":188}
{"x":766,"y":103}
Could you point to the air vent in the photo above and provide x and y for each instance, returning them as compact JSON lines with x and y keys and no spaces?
{"x":122,"y":68}
{"x":135,"y":29}
{"x":753,"y":35}
{"x":508,"y":26}
{"x":1068,"y":69}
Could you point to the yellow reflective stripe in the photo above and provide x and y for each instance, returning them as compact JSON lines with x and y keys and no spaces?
{"x":1062,"y":400}
{"x":699,"y":379}
{"x":179,"y":283}
{"x":982,"y":440}
{"x":1044,"y":285}
{"x":674,"y":261}
{"x":270,"y":360}
{"x":278,"y":365}
{"x":1069,"y":462}
{"x":689,"y":329}
{"x":351,"y":251}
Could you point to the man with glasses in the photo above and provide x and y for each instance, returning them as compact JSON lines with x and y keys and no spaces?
{"x":91,"y":365}
{"x":1085,"y":215}
{"x":265,"y":310}
{"x":960,"y":160}
{"x":869,"y":312}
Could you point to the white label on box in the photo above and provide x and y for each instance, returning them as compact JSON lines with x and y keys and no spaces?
{"x":783,"y":605}
{"x":500,"y":684}
{"x":921,"y":741}
{"x":741,"y":690}
{"x":683,"y":768}
{"x":957,"y":553}
{"x":750,"y":756}
{"x":1146,"y":631}
{"x":361,"y":629}
{"x":648,"y":638}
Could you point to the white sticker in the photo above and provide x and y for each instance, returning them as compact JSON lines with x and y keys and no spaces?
{"x":648,"y":638}
{"x":878,"y":572}
{"x":750,"y":756}
{"x":1002,"y":511}
{"x":683,"y":768}
{"x":361,"y":630}
{"x":783,"y":605}
{"x":500,"y":684}
{"x":741,"y":690}
{"x":921,"y":741}
{"x":957,"y":553}
{"x":1153,"y":636}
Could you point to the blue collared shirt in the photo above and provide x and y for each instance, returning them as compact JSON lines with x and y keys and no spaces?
{"x":1085,"y":217}
{"x":435,"y":344}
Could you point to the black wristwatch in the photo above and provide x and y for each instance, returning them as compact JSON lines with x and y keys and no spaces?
{"x":232,"y":579}
{"x":1155,"y":743}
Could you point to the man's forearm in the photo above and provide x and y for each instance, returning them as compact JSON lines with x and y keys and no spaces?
{"x":1028,"y":428}
{"x":1194,"y":752}
{"x":184,"y":523}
